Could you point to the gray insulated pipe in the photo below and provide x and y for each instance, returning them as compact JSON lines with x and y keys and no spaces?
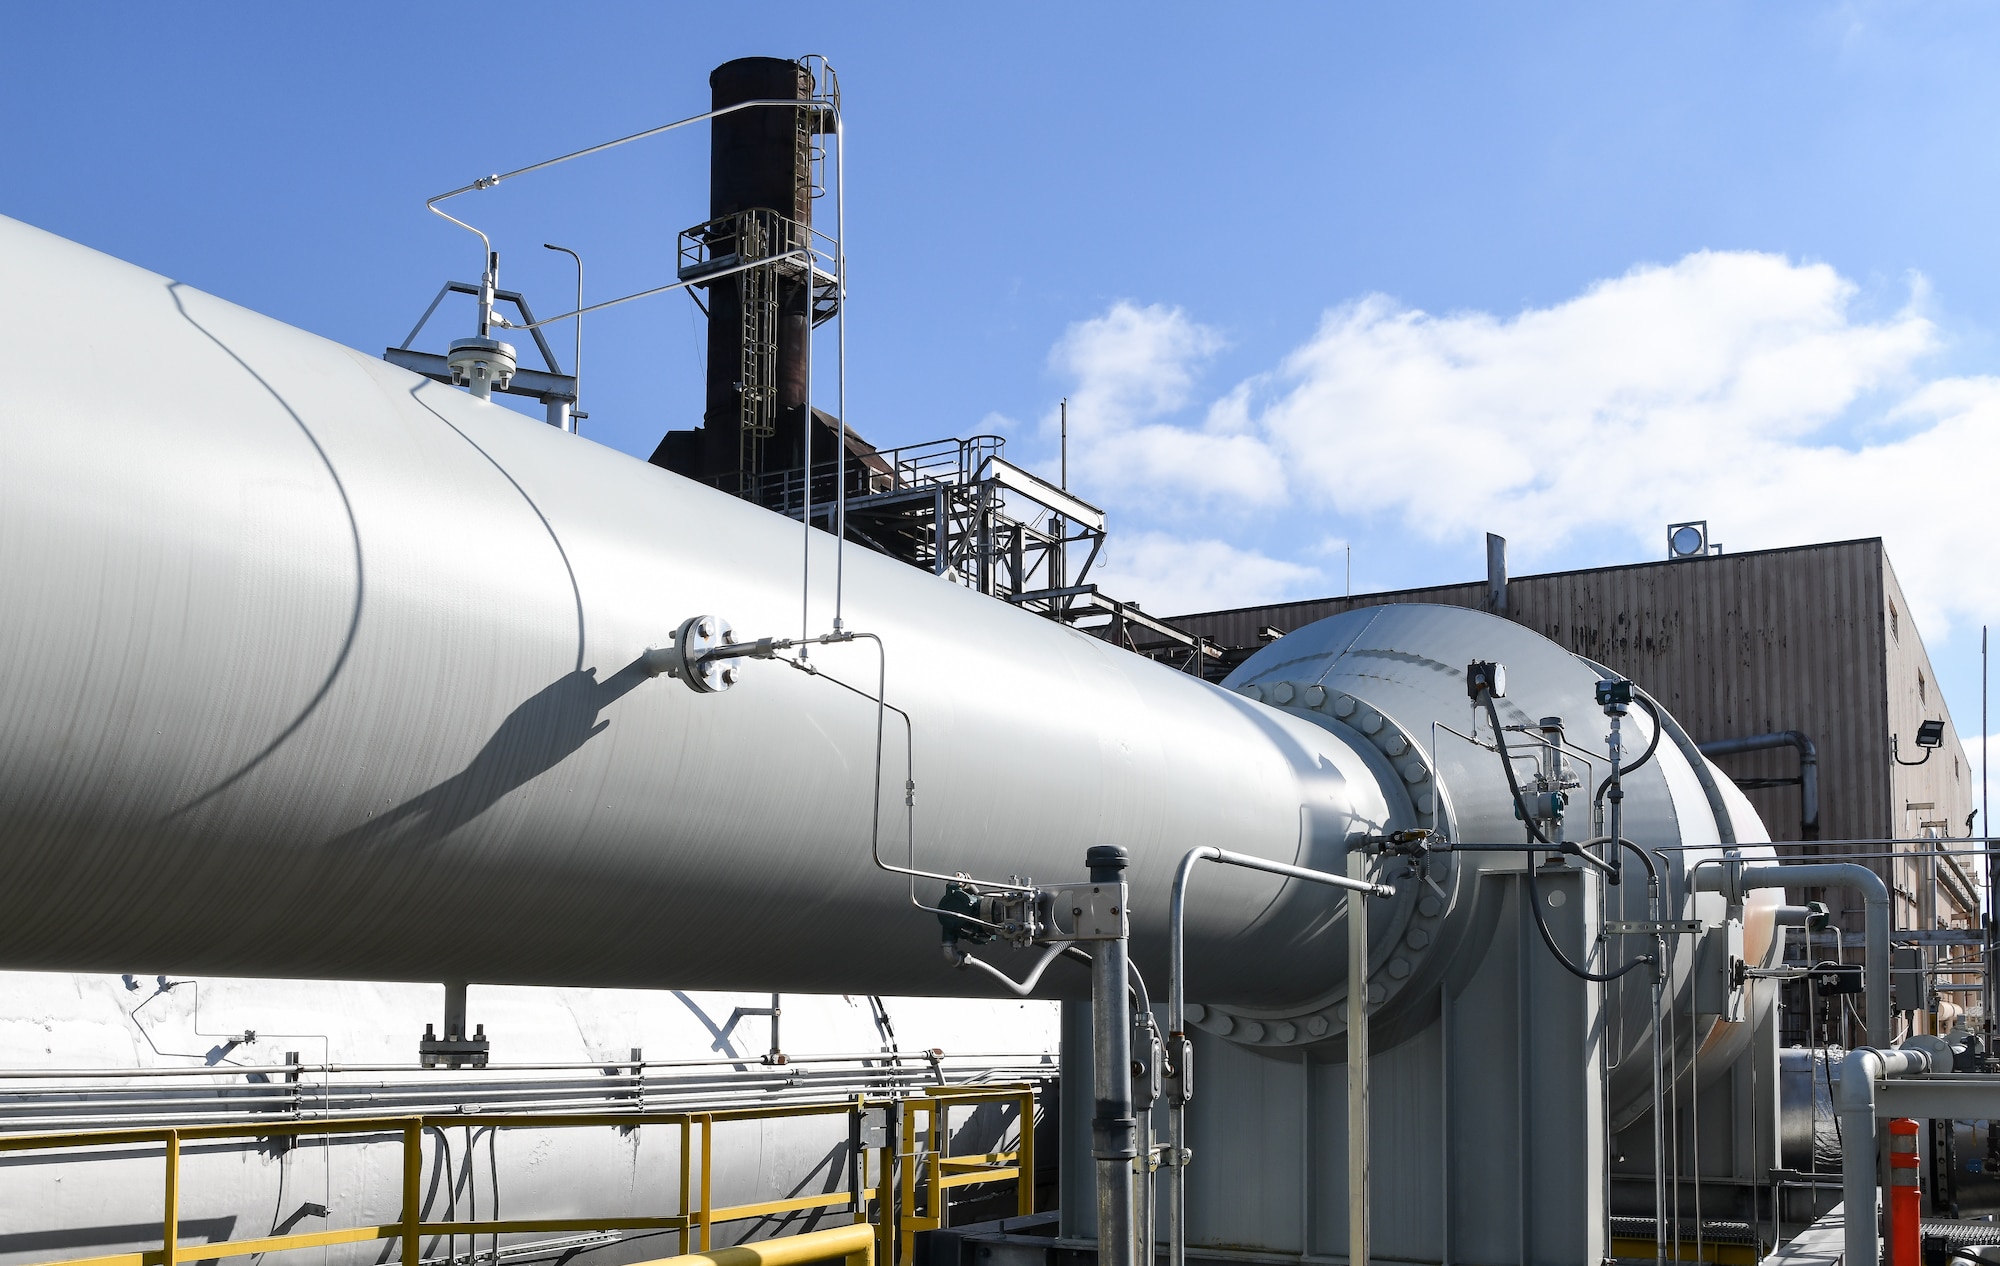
{"x":316,"y":668}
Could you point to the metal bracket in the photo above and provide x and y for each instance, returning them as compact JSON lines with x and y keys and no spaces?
{"x":453,"y":1051}
{"x":1093,"y":912}
{"x":1649,"y":927}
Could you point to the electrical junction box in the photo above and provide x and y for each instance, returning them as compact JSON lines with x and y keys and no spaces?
{"x":872,"y":1129}
{"x":1906,"y":979}
{"x":1718,"y":972}
{"x":1831,"y":978}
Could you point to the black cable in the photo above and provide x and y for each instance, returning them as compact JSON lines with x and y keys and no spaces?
{"x":1644,"y":756}
{"x":1534,"y":876}
{"x":1507,"y":764}
{"x":1646,"y":856}
{"x":1548,"y":939}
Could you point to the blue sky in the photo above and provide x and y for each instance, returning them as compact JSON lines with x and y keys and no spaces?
{"x":1314,"y":276}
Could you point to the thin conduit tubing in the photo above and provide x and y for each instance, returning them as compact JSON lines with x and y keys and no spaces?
{"x":702,"y":280}
{"x":875,"y":837}
{"x":38,"y":1125}
{"x":756,"y":1070}
{"x":210,"y":1109}
{"x":452,"y":1097}
{"x":214,"y":1070}
{"x":488,"y":182}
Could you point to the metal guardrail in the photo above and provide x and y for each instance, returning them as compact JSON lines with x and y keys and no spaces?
{"x":854,"y":1245}
{"x":928,"y":1149}
{"x":920,"y":1207}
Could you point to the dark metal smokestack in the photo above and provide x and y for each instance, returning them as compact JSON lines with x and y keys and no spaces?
{"x":759,"y":159}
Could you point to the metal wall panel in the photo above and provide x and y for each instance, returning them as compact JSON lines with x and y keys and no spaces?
{"x":1944,"y":781}
{"x":1733,"y":645}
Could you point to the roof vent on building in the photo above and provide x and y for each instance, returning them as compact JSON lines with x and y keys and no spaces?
{"x":1689,"y":540}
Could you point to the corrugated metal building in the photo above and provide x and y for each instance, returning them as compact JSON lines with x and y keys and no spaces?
{"x":1816,"y":638}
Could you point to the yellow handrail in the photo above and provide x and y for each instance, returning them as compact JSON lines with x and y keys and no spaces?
{"x":694,"y":1219}
{"x":855,"y":1244}
{"x":926,"y":1149}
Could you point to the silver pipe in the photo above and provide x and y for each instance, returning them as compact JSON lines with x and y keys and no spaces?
{"x":1733,"y":880}
{"x":1112,"y":1130}
{"x":233,"y":1070}
{"x":488,"y":182}
{"x":1179,"y":1050}
{"x":1357,"y":1060}
{"x":569,"y":408}
{"x":1854,"y":1106}
{"x":702,"y":280}
{"x":683,"y":1100}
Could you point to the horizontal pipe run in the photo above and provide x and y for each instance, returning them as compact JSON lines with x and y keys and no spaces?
{"x":1808,"y":768}
{"x":232,"y":1070}
{"x":1734,"y":879}
{"x":171,"y":1113}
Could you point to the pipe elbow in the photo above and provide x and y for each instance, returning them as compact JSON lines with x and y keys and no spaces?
{"x":1808,"y":750}
{"x":1858,"y":1072}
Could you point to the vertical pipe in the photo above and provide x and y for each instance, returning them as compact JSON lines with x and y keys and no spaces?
{"x":1357,"y":1064}
{"x":1496,"y":575}
{"x":1180,"y":1053}
{"x":170,"y":1213}
{"x":568,"y":422}
{"x":1065,"y":443}
{"x":454,"y":1011}
{"x":1445,"y":1036}
{"x":1113,"y":1130}
{"x":1077,"y":1201}
{"x":840,"y":346}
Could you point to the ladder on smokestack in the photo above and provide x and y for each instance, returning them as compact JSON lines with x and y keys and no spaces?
{"x":757,"y":386}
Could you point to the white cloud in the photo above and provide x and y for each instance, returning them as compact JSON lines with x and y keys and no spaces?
{"x":1738,"y":387}
{"x":1136,"y":364}
{"x":1666,"y":393}
{"x":1169,"y":575}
